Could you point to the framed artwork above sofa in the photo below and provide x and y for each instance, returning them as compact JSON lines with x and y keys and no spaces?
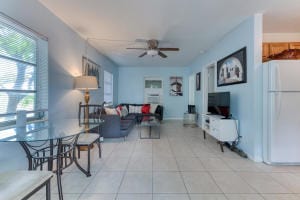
{"x":90,"y":68}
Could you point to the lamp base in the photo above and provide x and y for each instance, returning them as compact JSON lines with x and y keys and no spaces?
{"x":87,"y":97}
{"x":86,"y":117}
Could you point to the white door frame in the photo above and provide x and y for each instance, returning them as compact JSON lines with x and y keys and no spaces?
{"x":192,"y":89}
{"x":205,"y":84}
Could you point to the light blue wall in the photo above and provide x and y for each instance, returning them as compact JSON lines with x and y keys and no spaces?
{"x":65,"y":56}
{"x":131,"y":87}
{"x":243,"y":106}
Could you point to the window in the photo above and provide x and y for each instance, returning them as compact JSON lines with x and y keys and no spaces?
{"x":108,"y":87}
{"x":153,"y":90}
{"x":153,"y":84}
{"x":23,"y":70}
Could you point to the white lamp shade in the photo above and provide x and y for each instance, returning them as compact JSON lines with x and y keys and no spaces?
{"x":86,"y":83}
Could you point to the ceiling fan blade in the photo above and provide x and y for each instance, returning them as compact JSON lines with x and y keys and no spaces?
{"x":141,"y":40}
{"x":168,"y":49}
{"x":137,"y":48}
{"x":143,"y":54}
{"x":162,"y":54}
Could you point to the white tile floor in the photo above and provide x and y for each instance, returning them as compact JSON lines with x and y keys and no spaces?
{"x":179,"y":166}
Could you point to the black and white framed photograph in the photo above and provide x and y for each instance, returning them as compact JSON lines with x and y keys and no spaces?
{"x":232,"y":69}
{"x":198,"y":81}
{"x":176,"y":86}
{"x":90,"y":68}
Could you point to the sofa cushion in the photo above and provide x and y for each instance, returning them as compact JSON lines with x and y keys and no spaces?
{"x":111,"y":111}
{"x":138,"y":109}
{"x":124,"y":111}
{"x":129,"y":117}
{"x":146,"y":109}
{"x":135,"y":109}
{"x":153,"y":108}
{"x":119,"y":110}
{"x":131,"y":109}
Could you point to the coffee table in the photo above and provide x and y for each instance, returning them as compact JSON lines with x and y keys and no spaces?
{"x":152,"y":123}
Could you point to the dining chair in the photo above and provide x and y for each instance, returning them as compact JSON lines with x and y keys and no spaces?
{"x":45,"y":152}
{"x":89,"y":114}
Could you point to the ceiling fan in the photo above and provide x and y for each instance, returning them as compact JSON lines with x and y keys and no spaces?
{"x":153,"y":49}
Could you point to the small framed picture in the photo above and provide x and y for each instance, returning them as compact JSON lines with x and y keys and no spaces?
{"x":176,"y":86}
{"x":198,"y":81}
{"x":232,"y":69}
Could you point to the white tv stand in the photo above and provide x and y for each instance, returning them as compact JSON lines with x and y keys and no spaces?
{"x":224,"y":130}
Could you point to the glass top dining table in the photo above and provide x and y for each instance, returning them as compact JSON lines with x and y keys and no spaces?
{"x":47,"y":130}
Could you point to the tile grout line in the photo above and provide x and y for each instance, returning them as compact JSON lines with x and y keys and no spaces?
{"x":257,"y":192}
{"x":100,"y":169}
{"x":169,"y":140}
{"x":181,"y":175}
{"x":153,"y":169}
{"x":180,"y":171}
{"x":268,"y":174}
{"x":209,"y":172}
{"x":280,"y":183}
{"x":125,"y":171}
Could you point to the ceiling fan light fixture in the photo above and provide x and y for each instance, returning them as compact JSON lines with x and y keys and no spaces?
{"x":152,"y":52}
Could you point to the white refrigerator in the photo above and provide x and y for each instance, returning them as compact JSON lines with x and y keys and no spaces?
{"x":281,"y":112}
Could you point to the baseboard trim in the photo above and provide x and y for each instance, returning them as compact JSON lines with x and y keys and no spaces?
{"x":173,"y":118}
{"x":255,"y":158}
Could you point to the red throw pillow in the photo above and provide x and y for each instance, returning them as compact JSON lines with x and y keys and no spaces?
{"x":119,"y":110}
{"x":146,"y":108}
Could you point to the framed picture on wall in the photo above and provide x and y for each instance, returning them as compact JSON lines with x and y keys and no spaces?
{"x":198,"y":81}
{"x":176,"y":86}
{"x":90,"y":68}
{"x":232,"y":69}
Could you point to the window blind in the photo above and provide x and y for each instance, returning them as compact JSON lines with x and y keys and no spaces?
{"x":108,"y":87}
{"x":23,"y":70}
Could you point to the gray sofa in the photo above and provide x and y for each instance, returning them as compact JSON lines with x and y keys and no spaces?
{"x":116,"y":126}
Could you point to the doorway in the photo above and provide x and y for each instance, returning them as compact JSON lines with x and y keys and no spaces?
{"x":209,"y":83}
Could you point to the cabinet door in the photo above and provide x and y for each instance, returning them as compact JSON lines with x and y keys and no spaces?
{"x":228,"y":129}
{"x":266,"y":51}
{"x":276,"y":48}
{"x":214,"y":127}
{"x":295,"y":45}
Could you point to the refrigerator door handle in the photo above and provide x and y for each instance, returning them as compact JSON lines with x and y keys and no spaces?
{"x":278,"y":100}
{"x":275,"y":79}
{"x":278,"y":79}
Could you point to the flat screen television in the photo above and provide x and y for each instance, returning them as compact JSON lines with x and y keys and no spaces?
{"x":219,"y":104}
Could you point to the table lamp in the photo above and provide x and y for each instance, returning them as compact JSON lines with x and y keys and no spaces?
{"x":86,"y":83}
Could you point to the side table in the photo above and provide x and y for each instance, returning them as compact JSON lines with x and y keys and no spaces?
{"x":190,"y":119}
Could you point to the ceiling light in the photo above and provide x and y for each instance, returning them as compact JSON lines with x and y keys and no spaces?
{"x":152,"y":52}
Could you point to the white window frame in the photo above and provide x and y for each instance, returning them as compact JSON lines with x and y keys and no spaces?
{"x":41,"y":81}
{"x":153,"y":95}
{"x":111,"y":83}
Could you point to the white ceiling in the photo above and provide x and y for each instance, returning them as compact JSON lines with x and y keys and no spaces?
{"x":191,"y":25}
